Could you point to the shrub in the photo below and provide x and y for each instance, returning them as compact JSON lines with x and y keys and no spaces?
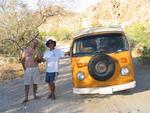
{"x":140,"y":37}
{"x":146,"y":55}
{"x":95,"y":24}
{"x":42,"y":34}
{"x":41,"y":47}
{"x":59,"y":33}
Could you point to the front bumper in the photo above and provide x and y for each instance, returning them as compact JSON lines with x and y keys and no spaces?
{"x":104,"y":90}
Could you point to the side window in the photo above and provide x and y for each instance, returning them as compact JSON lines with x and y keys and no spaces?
{"x":74,"y":48}
{"x":77,"y":46}
{"x":126,"y":44}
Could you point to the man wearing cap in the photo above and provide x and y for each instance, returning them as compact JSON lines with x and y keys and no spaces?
{"x":52,"y":56}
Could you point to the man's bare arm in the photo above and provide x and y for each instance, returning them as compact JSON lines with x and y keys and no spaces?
{"x":40,"y":58}
{"x":22,"y":60}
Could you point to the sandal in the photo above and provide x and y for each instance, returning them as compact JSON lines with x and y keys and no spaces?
{"x":53,"y":97}
{"x":50,"y":96}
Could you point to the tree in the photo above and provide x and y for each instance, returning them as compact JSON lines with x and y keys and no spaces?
{"x":19,"y":25}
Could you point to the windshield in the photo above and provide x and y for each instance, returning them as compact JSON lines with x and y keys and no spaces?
{"x":113,"y":42}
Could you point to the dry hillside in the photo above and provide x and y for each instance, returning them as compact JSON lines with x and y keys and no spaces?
{"x":124,"y":11}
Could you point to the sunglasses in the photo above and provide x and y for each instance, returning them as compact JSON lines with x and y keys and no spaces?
{"x":50,"y":43}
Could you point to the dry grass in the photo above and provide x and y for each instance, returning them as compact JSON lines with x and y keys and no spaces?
{"x":13,"y":71}
{"x":10,"y":71}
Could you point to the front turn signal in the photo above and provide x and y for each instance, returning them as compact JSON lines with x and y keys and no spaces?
{"x":123,"y":60}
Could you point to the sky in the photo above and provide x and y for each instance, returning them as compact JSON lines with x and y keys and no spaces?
{"x":75,"y":5}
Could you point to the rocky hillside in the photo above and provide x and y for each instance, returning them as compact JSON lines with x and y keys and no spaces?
{"x":120,"y":11}
{"x":64,"y":19}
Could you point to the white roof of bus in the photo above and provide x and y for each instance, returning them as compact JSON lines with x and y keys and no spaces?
{"x":98,"y":30}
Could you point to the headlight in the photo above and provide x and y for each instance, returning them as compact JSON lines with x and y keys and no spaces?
{"x":80,"y":75}
{"x":124,"y":71}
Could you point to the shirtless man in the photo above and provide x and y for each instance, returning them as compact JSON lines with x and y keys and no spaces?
{"x":30,"y":57}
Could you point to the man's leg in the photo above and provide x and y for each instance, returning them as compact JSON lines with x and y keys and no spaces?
{"x":49,"y":87}
{"x":35,"y":81}
{"x":50,"y":92}
{"x":34,"y":90}
{"x":53,"y":89}
{"x":26,"y":90}
{"x":51,"y":84}
{"x":27,"y":82}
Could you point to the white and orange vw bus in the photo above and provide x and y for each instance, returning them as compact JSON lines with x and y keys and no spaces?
{"x":101,"y":61}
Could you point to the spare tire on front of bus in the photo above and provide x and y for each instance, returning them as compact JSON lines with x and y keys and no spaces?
{"x":101,"y":67}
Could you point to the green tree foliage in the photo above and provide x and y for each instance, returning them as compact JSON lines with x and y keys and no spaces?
{"x":41,"y":47}
{"x":95,"y":24}
{"x":59,"y":33}
{"x":139,"y":33}
{"x":19,"y":25}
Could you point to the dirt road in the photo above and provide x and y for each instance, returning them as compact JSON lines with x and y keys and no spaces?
{"x":136,"y":100}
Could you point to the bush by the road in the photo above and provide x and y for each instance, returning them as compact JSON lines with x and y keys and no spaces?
{"x":139,"y":36}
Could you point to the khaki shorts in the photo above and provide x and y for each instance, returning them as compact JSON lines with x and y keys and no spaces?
{"x":32,"y":76}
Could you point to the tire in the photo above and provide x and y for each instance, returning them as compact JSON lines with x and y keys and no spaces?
{"x":101,"y":67}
